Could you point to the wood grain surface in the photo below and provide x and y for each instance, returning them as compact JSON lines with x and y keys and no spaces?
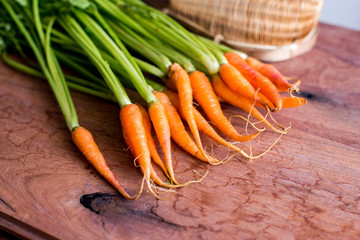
{"x":306,"y":187}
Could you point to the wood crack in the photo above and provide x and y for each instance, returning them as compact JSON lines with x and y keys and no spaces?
{"x":6,"y":204}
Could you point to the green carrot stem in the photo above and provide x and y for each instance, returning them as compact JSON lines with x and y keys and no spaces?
{"x":156,"y":86}
{"x":111,"y":9}
{"x":84,"y":41}
{"x":149,"y":68}
{"x":100,"y":94}
{"x":64,"y":103}
{"x":174,"y":55}
{"x":117,"y":41}
{"x":216,"y":52}
{"x":78,"y":68}
{"x":75,"y":83}
{"x":142,"y":47}
{"x":55,"y":69}
{"x":137,"y":79}
{"x":223,"y":48}
{"x":21,"y":67}
{"x":185,"y":46}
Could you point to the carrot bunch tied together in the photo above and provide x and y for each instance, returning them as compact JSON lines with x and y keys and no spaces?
{"x":110,"y":47}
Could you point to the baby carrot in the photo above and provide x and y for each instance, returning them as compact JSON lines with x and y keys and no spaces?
{"x":179,"y":77}
{"x":205,"y":96}
{"x":135,"y":137}
{"x":162,"y":129}
{"x":150,"y":141}
{"x":153,"y":175}
{"x":224,"y":92}
{"x":87,"y":146}
{"x":258,"y":81}
{"x":236,"y":82}
{"x":291,"y":102}
{"x":272,"y":74}
{"x":178,"y":132}
{"x":288,"y":102}
{"x":202,"y":124}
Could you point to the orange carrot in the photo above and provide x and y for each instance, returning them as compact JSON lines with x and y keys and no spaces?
{"x":178,"y":132}
{"x":237,"y":83}
{"x":135,"y":137}
{"x":291,"y":102}
{"x":150,"y":141}
{"x":288,"y":102}
{"x":86,"y":144}
{"x":222,"y":90}
{"x":272,"y":74}
{"x":205,"y":96}
{"x":258,"y":81}
{"x":153,"y":175}
{"x":180,"y":78}
{"x":162,"y":129}
{"x":202,"y":123}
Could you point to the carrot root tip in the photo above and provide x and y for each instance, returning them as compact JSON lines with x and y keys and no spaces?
{"x":249,"y":122}
{"x":296,"y":81}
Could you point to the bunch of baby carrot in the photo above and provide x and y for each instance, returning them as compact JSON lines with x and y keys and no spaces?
{"x":112,"y":44}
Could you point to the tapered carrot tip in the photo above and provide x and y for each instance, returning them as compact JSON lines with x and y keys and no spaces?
{"x":160,"y":122}
{"x":291,"y":102}
{"x":150,"y":141}
{"x":183,"y":86}
{"x":260,"y":82}
{"x":87,"y":146}
{"x":269,"y":71}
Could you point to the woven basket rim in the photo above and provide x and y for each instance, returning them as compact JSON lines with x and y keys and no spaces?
{"x":280,"y":26}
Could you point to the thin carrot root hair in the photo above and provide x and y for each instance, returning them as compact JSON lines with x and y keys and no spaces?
{"x":248,"y":117}
{"x":135,"y":161}
{"x":141,"y":188}
{"x":292,"y":90}
{"x":284,"y":129}
{"x":230,"y":157}
{"x":227,"y":158}
{"x":151,"y":186}
{"x":248,"y":122}
{"x":201,"y":176}
{"x":267,"y":150}
{"x":296,"y":81}
{"x":268,"y":113}
{"x":193,"y":181}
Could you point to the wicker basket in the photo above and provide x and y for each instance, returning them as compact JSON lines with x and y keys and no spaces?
{"x":271,"y":30}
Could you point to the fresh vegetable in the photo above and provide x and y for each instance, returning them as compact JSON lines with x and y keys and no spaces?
{"x":55,"y":77}
{"x":273,"y":74}
{"x":160,"y":122}
{"x":87,"y":146}
{"x":98,"y":39}
{"x":205,"y":96}
{"x":258,"y":81}
{"x":149,"y":139}
{"x":237,"y":100}
{"x":202,"y":123}
{"x":178,"y":132}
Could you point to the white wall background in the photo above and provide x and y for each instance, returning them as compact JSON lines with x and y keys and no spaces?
{"x":344,"y":13}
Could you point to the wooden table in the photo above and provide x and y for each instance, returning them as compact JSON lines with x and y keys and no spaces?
{"x":306,"y":187}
